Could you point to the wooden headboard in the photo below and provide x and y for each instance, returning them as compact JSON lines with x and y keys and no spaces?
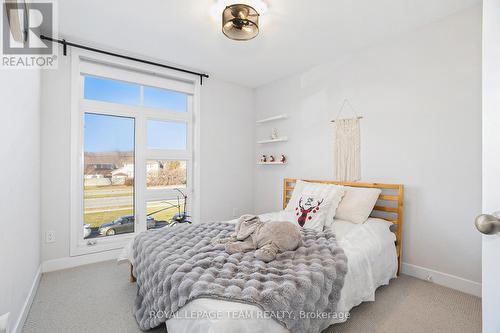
{"x":389,"y":205}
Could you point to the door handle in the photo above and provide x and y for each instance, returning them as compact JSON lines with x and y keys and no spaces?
{"x":487,"y":224}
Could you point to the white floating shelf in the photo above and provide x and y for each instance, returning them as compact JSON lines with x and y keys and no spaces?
{"x":282,"y":139}
{"x":271,"y":163}
{"x":273,"y":118}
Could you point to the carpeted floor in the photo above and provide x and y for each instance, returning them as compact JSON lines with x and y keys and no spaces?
{"x":99,"y":298}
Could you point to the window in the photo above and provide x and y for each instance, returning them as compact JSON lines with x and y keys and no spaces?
{"x":108,"y":175}
{"x":134,"y":138}
{"x":166,"y":174}
{"x":106,"y":90}
{"x":165,"y":99}
{"x":167,"y":135}
{"x":161,"y":211}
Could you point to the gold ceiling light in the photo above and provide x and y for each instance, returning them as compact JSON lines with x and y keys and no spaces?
{"x":240,"y":22}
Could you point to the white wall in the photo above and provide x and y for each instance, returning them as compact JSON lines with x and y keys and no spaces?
{"x":226,"y":154}
{"x":421,"y":100}
{"x":20,"y":190}
{"x":55,"y":159}
{"x":227,"y":165}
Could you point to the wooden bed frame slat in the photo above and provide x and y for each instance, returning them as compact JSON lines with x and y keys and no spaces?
{"x":396,"y":212}
{"x":386,"y":209}
{"x":132,"y":277}
{"x":381,"y":197}
{"x":388,"y":197}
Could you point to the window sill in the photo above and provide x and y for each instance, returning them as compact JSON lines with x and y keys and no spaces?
{"x":101,"y":244}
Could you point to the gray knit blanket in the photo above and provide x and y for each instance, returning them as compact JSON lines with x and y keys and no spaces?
{"x":176,"y":265}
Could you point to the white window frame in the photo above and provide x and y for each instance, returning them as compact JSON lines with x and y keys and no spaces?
{"x":89,"y":63}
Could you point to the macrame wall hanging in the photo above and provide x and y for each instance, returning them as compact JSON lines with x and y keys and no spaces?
{"x":347,"y":149}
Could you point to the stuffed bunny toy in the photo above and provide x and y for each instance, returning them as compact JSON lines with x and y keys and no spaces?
{"x":268,"y":238}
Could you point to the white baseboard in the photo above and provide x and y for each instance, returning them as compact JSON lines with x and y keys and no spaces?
{"x":70,"y":262}
{"x":18,"y":327}
{"x":443,"y":279}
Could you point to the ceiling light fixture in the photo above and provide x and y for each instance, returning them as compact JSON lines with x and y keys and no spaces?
{"x":240,"y":22}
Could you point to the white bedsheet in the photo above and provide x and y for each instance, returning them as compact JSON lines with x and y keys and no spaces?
{"x":372,"y":262}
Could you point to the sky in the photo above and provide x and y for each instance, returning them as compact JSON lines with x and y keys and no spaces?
{"x":111,"y":133}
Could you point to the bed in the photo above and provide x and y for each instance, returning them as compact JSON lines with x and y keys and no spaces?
{"x":373,"y":250}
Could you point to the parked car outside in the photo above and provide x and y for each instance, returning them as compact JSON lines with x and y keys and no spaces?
{"x":122,"y":225}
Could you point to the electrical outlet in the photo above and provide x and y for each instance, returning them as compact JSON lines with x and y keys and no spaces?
{"x":235,"y":212}
{"x":50,"y":236}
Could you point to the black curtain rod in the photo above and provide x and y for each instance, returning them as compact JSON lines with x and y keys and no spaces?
{"x":65,"y":44}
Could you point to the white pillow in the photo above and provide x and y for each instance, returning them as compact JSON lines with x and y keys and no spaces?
{"x":294,"y":199}
{"x":316,"y":203}
{"x":357,"y":204}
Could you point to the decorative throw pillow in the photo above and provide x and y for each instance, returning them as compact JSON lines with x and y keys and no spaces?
{"x":357,"y":204}
{"x":316,"y":204}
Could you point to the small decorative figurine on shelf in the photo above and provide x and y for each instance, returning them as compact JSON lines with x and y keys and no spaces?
{"x":263,"y":159}
{"x":274,"y":134}
{"x":272,"y":159}
{"x":283,"y":159}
